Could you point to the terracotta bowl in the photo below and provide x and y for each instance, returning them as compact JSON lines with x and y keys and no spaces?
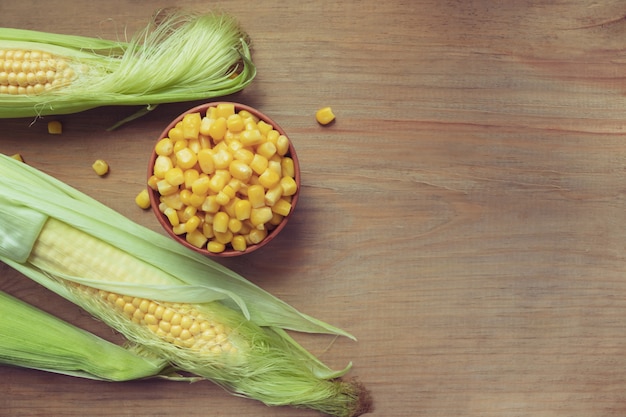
{"x":229,"y":251}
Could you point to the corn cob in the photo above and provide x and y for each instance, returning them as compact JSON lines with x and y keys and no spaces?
{"x":178,"y":56}
{"x":203,"y":318}
{"x":32,"y":338}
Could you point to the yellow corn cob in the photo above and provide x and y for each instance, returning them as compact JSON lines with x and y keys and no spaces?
{"x":66,"y":250}
{"x":174,"y":303}
{"x":208,"y":339}
{"x":47,"y":73}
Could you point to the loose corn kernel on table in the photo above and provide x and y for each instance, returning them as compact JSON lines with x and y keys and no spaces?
{"x":463,"y":216}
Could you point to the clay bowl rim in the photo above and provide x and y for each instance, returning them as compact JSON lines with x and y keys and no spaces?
{"x":228,"y":252}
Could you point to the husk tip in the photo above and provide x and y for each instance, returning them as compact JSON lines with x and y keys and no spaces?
{"x":364,"y":402}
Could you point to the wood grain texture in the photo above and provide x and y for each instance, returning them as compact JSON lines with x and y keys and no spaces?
{"x":464,"y":217}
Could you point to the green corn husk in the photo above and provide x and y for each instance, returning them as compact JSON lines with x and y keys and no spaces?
{"x":178,"y":56}
{"x":32,"y":338}
{"x":270,"y":366}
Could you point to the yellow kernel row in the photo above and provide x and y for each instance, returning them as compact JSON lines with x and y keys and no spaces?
{"x":225,"y":178}
{"x":32,"y":72}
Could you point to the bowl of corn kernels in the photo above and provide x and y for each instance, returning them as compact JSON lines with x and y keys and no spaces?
{"x":223,"y":179}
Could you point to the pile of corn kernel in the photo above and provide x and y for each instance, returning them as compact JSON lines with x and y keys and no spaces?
{"x":225,"y":179}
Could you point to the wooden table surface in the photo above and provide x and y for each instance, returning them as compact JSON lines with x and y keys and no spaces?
{"x":464,"y":217}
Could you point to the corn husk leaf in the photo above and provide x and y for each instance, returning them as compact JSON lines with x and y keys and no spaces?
{"x":178,"y":56}
{"x":32,"y":338}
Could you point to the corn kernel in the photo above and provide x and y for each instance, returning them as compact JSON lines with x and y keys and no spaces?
{"x":229,"y":191}
{"x":264,"y":127}
{"x":55,"y":127}
{"x":164,"y":147}
{"x":162,"y":164}
{"x":282,"y":145}
{"x":211,"y":113}
{"x":273,"y":194}
{"x":251,"y":124}
{"x":242,"y":209}
{"x":219,"y":180}
{"x":259,"y":164}
{"x":201,"y":185}
{"x":185,"y":158}
{"x":197,"y":200}
{"x":175,"y":133}
{"x":235,"y":184}
{"x":172,"y":200}
{"x":282,"y":207}
{"x":233,"y":145}
{"x":210,"y":204}
{"x":172,"y":216}
{"x":234,"y":225}
{"x":205,"y":160}
{"x":207,"y":230}
{"x":152,"y":182}
{"x":143,"y":199}
{"x":187,"y":213}
{"x":239,"y":243}
{"x":288,"y":185}
{"x":247,"y":115}
{"x":175,"y":176}
{"x":185,"y":196}
{"x":229,"y":207}
{"x":165,"y":188}
{"x":17,"y":157}
{"x":234,"y":123}
{"x":205,"y":125}
{"x":230,"y":137}
{"x":194,"y":145}
{"x":180,"y":145}
{"x":191,"y":175}
{"x":251,"y":137}
{"x":267,"y":149}
{"x":324,"y":115}
{"x":225,"y":109}
{"x":222,"y":146}
{"x":220,"y":222}
{"x":260,"y":216}
{"x":222,"y":198}
{"x":191,"y":125}
{"x":269,"y":178}
{"x":222,"y":159}
{"x":192,"y":224}
{"x":257,"y":235}
{"x":240,"y":170}
{"x":276,"y":219}
{"x":288,"y":167}
{"x":256,"y":196}
{"x":215,"y":247}
{"x":100,"y":167}
{"x":205,"y":141}
{"x":217,"y":129}
{"x":275,"y":166}
{"x":196,"y":238}
{"x":225,"y":237}
{"x":179,"y":229}
{"x":244,"y":155}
